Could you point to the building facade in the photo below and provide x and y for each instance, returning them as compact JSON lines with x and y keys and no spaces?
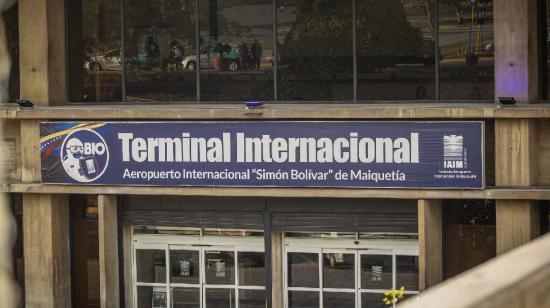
{"x":262,"y":109}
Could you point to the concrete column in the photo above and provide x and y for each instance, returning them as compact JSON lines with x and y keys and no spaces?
{"x":516,"y":75}
{"x":42,"y":51}
{"x":45,"y":233}
{"x":430,"y":243}
{"x":108,"y":251}
{"x":46,"y":251}
{"x":516,"y":50}
{"x":277,"y":269}
{"x":517,"y":221}
{"x":128,"y":253}
{"x":45,"y":217}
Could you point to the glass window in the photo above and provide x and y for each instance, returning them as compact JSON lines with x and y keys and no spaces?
{"x":373,"y":300}
{"x":546,"y":48}
{"x":184,"y":266}
{"x":303,"y":270}
{"x":219,"y":267}
{"x":236,"y":50}
{"x":151,"y":297}
{"x":313,"y":52}
{"x":232,"y":232}
{"x":160,"y":50}
{"x":95,"y":61}
{"x":251,"y":268}
{"x":219,"y":298}
{"x":376,"y":272}
{"x":185,"y":297}
{"x":11,"y":24}
{"x":338,"y":300}
{"x":315,"y":43}
{"x":252,"y":298}
{"x":395,"y":50}
{"x":406,"y":272}
{"x":303,"y":299}
{"x":339,"y":270}
{"x":470,"y":234}
{"x":151,"y":265}
{"x":466,"y":62}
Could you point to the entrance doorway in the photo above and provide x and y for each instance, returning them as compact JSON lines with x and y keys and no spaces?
{"x":330,"y":273}
{"x":198,"y":272}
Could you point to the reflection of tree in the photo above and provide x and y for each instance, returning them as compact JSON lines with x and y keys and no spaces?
{"x":323,"y":28}
{"x":213,"y":19}
{"x":383,"y":28}
{"x":101,"y":24}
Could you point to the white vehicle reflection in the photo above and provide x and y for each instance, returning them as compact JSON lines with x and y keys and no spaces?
{"x":210,"y":58}
{"x":108,"y":61}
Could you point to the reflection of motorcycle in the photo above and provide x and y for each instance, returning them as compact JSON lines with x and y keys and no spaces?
{"x":143,"y":62}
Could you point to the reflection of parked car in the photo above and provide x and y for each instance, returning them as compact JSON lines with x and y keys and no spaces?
{"x":109,"y":61}
{"x":207,"y":54}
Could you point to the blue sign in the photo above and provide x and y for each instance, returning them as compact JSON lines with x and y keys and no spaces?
{"x":269,"y":154}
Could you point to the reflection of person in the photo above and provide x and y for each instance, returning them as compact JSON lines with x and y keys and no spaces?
{"x":243,"y":52}
{"x":151,"y":48}
{"x":176,"y":54}
{"x":256,"y":54}
{"x":420,"y":92}
{"x":476,"y":93}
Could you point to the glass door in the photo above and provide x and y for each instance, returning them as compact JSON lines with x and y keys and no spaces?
{"x":376,"y":276}
{"x":219,"y":272}
{"x":347,"y":278}
{"x":185,"y":277}
{"x":213,"y":276}
{"x":339,"y":279}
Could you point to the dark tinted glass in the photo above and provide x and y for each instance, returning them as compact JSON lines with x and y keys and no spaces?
{"x":303,"y":270}
{"x":94,"y":49}
{"x":395,"y":50}
{"x":219,"y":298}
{"x":160,"y":44}
{"x":236,"y":50}
{"x":315,"y":59}
{"x":11,"y":22}
{"x":251,"y":269}
{"x":470,"y":234}
{"x":186,"y":298}
{"x":252,"y":299}
{"x":151,"y":265}
{"x":301,"y":299}
{"x":407,"y":272}
{"x":338,"y":270}
{"x":148,"y":297}
{"x":546,"y":41}
{"x":373,"y":300}
{"x":466,"y":64}
{"x":338,"y":300}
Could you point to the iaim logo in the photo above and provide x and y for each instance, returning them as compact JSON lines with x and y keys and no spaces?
{"x":453,"y":147}
{"x":84,"y":155}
